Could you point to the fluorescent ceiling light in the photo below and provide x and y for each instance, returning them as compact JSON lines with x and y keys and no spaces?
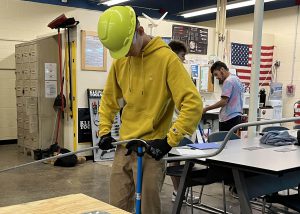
{"x":113,"y":2}
{"x":200,"y":12}
{"x":214,"y":9}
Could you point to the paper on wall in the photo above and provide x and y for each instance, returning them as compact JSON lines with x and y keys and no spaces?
{"x":50,"y":89}
{"x":50,"y":71}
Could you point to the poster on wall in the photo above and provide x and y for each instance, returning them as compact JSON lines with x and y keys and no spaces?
{"x":84,"y":126}
{"x":166,"y":39}
{"x":93,"y":53}
{"x":196,"y":39}
{"x":50,"y":89}
{"x":94,"y":97}
{"x":195,"y":71}
{"x":204,"y":72}
{"x":50,"y":71}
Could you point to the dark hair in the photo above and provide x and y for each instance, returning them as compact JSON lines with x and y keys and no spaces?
{"x":217,"y":66}
{"x":178,"y":46}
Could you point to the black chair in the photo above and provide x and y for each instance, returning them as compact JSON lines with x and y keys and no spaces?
{"x":296,"y":127}
{"x":220,"y":136}
{"x":199,"y":176}
{"x":176,"y":171}
{"x":274,"y":128}
{"x":217,"y":137}
{"x":290,"y":201}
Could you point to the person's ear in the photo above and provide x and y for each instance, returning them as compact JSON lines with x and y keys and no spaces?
{"x":140,"y":30}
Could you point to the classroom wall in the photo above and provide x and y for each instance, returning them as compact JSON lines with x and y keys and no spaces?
{"x":282,"y":24}
{"x":23,"y":21}
{"x":19,"y":22}
{"x":8,"y":112}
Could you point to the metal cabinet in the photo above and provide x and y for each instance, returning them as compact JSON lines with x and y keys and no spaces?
{"x":36,"y":116}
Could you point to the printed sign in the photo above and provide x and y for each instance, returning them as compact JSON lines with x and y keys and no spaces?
{"x":94,"y":97}
{"x":196,"y":39}
{"x":84,"y":125}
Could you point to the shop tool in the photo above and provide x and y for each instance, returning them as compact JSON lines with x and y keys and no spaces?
{"x":62,"y":22}
{"x":137,"y":145}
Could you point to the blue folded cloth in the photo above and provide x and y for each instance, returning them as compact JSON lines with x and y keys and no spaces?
{"x":203,"y":146}
{"x":277,"y":138}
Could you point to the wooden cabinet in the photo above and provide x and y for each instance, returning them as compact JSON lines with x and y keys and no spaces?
{"x":36,"y":116}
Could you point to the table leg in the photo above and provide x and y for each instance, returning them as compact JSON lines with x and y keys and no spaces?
{"x":182,"y":187}
{"x":240,"y":184}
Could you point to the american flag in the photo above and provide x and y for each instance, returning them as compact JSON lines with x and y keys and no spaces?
{"x":241,"y":57}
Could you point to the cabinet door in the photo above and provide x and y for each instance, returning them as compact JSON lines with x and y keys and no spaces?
{"x":19,"y":72}
{"x":19,"y":88}
{"x":26,"y":87}
{"x":33,"y":53}
{"x":33,"y":70}
{"x":20,"y":136}
{"x":30,"y":105}
{"x":33,"y":88}
{"x":34,"y":141}
{"x":25,"y":54}
{"x":33,"y":123}
{"x":20,"y":107}
{"x":26,"y":71}
{"x":206,"y":84}
{"x":20,"y":119}
{"x":210,"y":80}
{"x":18,"y":54}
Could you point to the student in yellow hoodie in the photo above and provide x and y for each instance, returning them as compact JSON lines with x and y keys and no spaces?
{"x":180,"y":49}
{"x":151,"y":79}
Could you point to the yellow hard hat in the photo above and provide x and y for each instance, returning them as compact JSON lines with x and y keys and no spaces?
{"x":116,"y":28}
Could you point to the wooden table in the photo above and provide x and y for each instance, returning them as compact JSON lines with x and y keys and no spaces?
{"x":75,"y":203}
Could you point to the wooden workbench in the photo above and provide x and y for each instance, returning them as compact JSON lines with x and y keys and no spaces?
{"x":75,"y":203}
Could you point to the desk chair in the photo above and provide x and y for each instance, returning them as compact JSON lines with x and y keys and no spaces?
{"x":176,"y":171}
{"x":296,"y":127}
{"x":217,"y":137}
{"x":290,"y":201}
{"x":199,"y":176}
{"x":220,"y":136}
{"x":274,"y":128}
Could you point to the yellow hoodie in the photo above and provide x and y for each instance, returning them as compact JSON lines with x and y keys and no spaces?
{"x":150,"y":84}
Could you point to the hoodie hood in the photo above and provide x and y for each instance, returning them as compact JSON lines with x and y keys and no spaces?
{"x":154,"y":44}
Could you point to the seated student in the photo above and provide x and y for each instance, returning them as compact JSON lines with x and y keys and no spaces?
{"x":180,"y":49}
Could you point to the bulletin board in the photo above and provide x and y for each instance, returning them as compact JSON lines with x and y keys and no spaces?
{"x":93,"y":53}
{"x":195,"y":38}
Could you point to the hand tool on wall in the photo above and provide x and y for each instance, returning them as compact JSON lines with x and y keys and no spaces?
{"x":61,"y":22}
{"x":73,"y":92}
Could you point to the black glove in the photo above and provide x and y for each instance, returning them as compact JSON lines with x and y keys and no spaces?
{"x":133,"y":146}
{"x":106,"y":141}
{"x":158,"y":148}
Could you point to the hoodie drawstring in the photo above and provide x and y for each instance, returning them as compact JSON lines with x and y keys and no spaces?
{"x":143,"y":73}
{"x":130,"y":75}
